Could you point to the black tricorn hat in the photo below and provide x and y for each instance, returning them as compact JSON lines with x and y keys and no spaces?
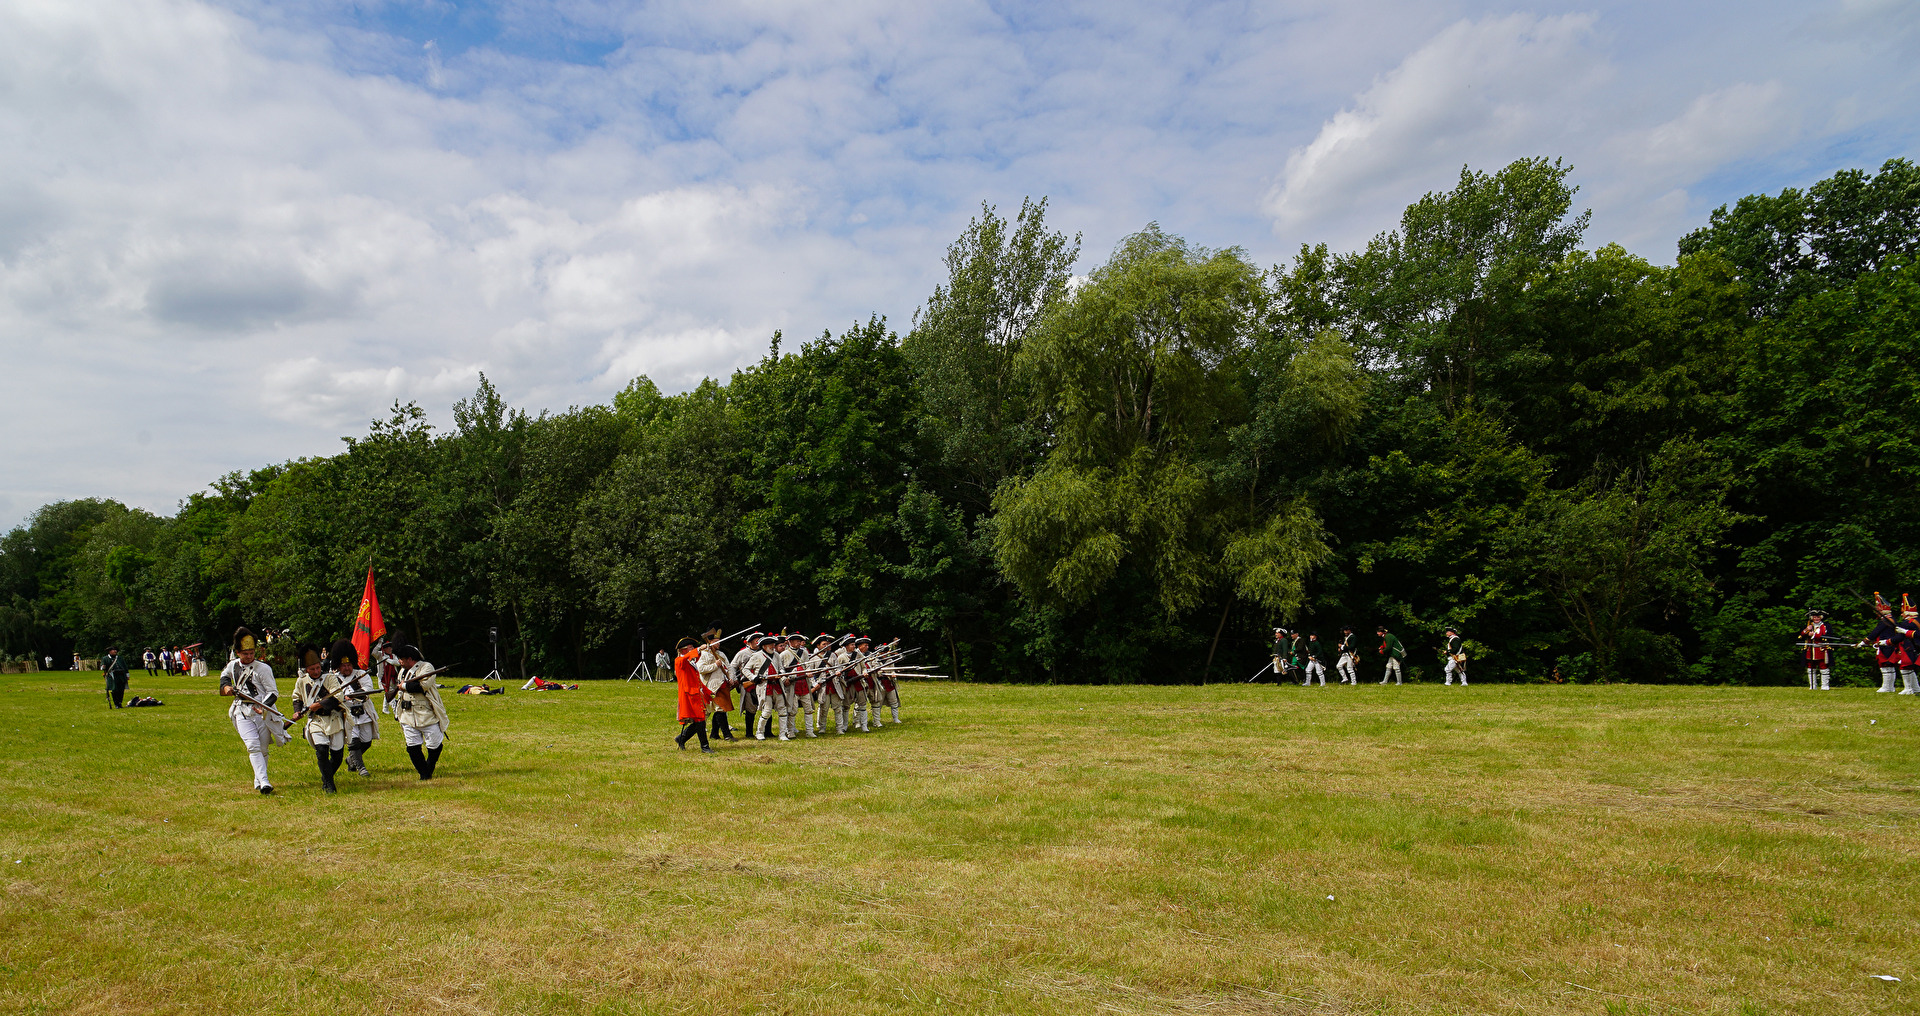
{"x":406,"y":651}
{"x":243,"y":640}
{"x":1817,"y":612}
{"x":308,"y":655}
{"x":343,"y":649}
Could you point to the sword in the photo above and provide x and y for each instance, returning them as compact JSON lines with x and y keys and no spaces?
{"x":1262,"y":670}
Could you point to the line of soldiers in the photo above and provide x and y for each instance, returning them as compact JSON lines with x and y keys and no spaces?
{"x":1895,"y":643}
{"x":1303,"y":653}
{"x":332,"y":695}
{"x":781,"y":677}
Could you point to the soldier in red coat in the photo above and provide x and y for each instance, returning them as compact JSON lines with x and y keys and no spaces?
{"x":1819,"y":658}
{"x":693,"y":696}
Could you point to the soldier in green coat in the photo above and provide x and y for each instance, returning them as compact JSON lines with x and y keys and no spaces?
{"x":1391,"y":648}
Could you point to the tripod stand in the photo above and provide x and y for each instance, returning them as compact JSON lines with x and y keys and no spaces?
{"x":493,"y":635}
{"x":641,"y":668}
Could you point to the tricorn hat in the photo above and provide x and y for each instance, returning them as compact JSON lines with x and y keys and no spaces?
{"x":1817,"y":612}
{"x":243,"y":640}
{"x":824,"y":638}
{"x":862,"y":640}
{"x":405,"y":651}
{"x":343,"y":650}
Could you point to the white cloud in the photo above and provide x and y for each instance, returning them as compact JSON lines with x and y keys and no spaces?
{"x":1477,"y":89}
{"x":247,"y":229}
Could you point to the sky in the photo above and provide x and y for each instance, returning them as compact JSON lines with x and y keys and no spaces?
{"x":233,"y":232}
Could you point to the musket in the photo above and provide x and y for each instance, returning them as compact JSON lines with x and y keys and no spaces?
{"x":334,"y":696}
{"x":256,"y":703}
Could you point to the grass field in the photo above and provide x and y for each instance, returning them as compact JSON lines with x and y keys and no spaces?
{"x":1230,"y":849}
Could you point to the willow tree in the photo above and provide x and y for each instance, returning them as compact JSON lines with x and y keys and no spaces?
{"x":1142,"y":378}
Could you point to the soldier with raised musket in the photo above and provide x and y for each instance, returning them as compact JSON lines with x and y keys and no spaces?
{"x":254,"y":691}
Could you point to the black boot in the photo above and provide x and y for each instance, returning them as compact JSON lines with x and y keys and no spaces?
{"x":333,"y":764}
{"x":433,"y":761}
{"x":419,"y":760}
{"x":686,"y":731}
{"x":321,"y":755}
{"x":356,"y":757}
{"x":701,"y":729}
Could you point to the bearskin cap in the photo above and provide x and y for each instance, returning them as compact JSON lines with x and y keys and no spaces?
{"x":308,"y":654}
{"x":243,"y":640}
{"x":342,"y":649}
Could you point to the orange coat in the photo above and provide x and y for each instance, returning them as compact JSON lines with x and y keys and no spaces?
{"x":693,"y":691}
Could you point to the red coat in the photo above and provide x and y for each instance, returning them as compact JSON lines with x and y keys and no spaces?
{"x":693,"y":691}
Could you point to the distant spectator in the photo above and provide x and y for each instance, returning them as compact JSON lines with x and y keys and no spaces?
{"x":662,"y":665}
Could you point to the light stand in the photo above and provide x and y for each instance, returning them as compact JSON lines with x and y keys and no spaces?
{"x":641,"y":667}
{"x":493,"y":635}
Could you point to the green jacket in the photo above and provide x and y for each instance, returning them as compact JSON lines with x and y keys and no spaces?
{"x":1392,"y":647}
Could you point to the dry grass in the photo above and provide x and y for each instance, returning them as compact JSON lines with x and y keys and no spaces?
{"x":1007,"y":850}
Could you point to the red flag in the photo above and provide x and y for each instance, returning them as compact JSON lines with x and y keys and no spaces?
{"x":367,"y":625}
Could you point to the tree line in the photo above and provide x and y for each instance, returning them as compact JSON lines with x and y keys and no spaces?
{"x":1600,"y":468}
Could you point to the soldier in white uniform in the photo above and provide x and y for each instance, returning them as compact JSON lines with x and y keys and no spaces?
{"x":357,"y":689}
{"x":1455,"y":650}
{"x":422,"y":716}
{"x":254,"y":692}
{"x":1315,"y":667}
{"x":316,"y":693}
{"x":886,"y":690}
{"x":717,"y":674}
{"x":836,"y":691}
{"x":747,"y":666}
{"x":1348,"y":664}
{"x":818,"y":683}
{"x":776,"y":693}
{"x":860,"y":683}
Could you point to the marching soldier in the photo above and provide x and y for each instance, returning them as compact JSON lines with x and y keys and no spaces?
{"x":886,"y":688}
{"x":251,"y":685}
{"x":773,"y":692}
{"x":717,"y":675}
{"x":839,"y":690}
{"x":1395,"y":653}
{"x":1909,"y":656}
{"x":316,"y":693}
{"x":1454,"y":649}
{"x":1889,"y":638}
{"x":1279,"y":653}
{"x":1311,"y":653}
{"x":859,"y":687}
{"x":818,"y":683}
{"x":692,"y":696}
{"x":791,"y":683}
{"x":1348,"y":663}
{"x":1819,"y":655}
{"x":422,"y":716}
{"x":747,"y":671}
{"x":356,"y":688}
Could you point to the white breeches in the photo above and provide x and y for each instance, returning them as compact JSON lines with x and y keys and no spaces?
{"x":364,"y":732}
{"x":317,"y":738}
{"x":429,"y":735}
{"x":1456,"y":667}
{"x":1349,"y":674}
{"x":1315,"y":667}
{"x":1393,"y":671}
{"x":258,"y":738}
